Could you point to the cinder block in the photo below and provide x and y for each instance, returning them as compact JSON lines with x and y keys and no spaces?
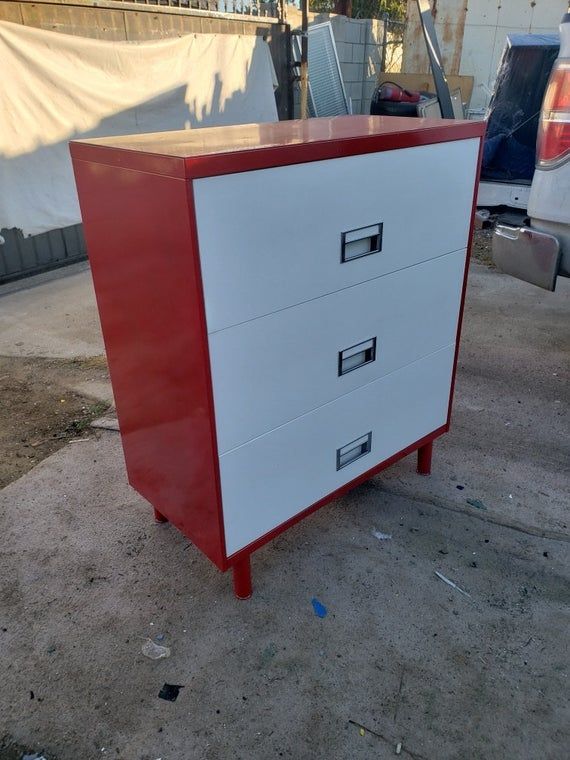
{"x":357,"y":72}
{"x":348,"y":71}
{"x":376,"y":31}
{"x":343,"y":51}
{"x":374,"y":54}
{"x":369,"y":88}
{"x":338,"y":22}
{"x":358,"y":53}
{"x":354,"y":90}
{"x":372,"y":69}
{"x":352,"y":31}
{"x":355,"y":105}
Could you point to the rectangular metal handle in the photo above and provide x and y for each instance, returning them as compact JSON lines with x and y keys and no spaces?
{"x":361,"y":242}
{"x":356,"y":356}
{"x":354,"y":450}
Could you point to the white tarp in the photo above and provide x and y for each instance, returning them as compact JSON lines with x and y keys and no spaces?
{"x":56,"y":87}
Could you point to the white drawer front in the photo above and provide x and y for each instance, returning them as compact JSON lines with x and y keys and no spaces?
{"x":269,"y":371}
{"x":276,"y":476}
{"x":272,"y":238}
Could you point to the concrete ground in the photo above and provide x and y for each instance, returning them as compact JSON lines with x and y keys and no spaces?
{"x":401,"y":657}
{"x":51,"y":315}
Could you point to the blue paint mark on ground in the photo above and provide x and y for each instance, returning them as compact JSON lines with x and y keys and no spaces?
{"x":320,"y":609}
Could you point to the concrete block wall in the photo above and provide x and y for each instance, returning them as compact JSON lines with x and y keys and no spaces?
{"x":359,"y":47}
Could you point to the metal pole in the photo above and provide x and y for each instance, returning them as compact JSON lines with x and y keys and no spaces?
{"x":304,"y":78}
{"x":385,"y":18}
{"x":435,"y":59}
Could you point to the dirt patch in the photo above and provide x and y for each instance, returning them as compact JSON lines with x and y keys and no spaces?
{"x":39,"y":411}
{"x":11,"y":750}
{"x":481,"y":248}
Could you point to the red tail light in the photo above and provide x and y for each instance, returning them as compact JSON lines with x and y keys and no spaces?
{"x":554,"y":131}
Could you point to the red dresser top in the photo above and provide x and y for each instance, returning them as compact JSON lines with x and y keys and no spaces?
{"x":193,"y":153}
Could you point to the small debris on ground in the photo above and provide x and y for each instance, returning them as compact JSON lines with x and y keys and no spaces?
{"x":481,"y":249}
{"x":269,"y":652}
{"x":381,"y":536}
{"x":477,"y":503}
{"x":482,"y":218}
{"x":362,"y":730}
{"x":319,"y":609}
{"x":154,"y":651}
{"x":35,"y":423}
{"x":451,"y":583}
{"x":170,"y":692}
{"x":106,"y":423}
{"x":460,"y":488}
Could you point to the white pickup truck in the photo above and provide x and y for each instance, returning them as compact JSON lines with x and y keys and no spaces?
{"x":540,"y":251}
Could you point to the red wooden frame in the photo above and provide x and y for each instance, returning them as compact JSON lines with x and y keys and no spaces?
{"x":137,"y":206}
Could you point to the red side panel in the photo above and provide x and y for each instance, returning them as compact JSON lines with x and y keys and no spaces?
{"x":139,"y":232}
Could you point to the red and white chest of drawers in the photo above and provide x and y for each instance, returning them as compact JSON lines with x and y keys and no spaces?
{"x":281,"y":307}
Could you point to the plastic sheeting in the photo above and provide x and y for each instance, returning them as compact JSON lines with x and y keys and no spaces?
{"x":514,"y":110}
{"x":56,"y":87}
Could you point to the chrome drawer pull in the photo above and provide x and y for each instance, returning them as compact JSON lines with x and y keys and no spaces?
{"x":361,"y":242}
{"x":356,"y":356}
{"x":354,"y":450}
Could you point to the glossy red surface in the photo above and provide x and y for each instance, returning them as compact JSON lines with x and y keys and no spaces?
{"x":222,"y":150}
{"x":139,"y":229}
{"x":242,"y":577}
{"x":159,"y":517}
{"x":424,"y":458}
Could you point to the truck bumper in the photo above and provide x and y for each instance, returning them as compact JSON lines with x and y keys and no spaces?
{"x":528,"y":254}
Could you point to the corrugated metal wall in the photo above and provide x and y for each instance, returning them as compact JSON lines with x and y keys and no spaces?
{"x":108,"y":20}
{"x":21,"y":256}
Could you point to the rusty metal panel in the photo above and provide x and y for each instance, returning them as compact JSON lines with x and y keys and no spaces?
{"x":98,"y":23}
{"x":449,"y":18}
{"x":11,"y":12}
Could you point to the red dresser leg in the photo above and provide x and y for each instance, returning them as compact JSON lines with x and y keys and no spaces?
{"x":424,"y":458}
{"x":158,"y":517}
{"x":242,"y":577}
